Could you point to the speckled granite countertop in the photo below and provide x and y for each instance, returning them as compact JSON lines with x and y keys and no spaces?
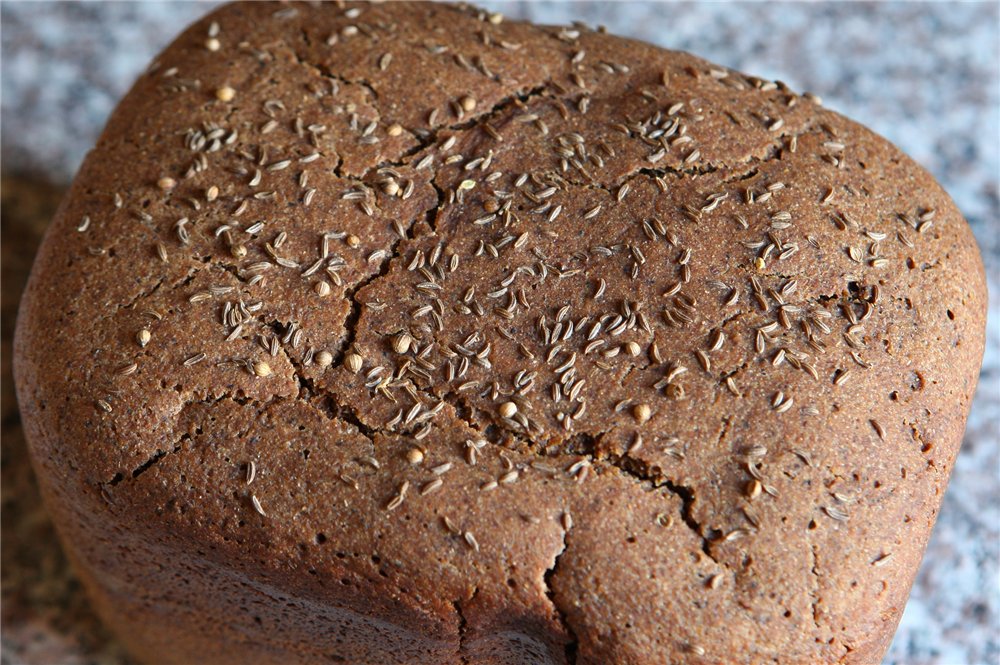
{"x":926,"y":75}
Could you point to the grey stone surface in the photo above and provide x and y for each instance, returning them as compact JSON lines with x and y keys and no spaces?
{"x":925,"y":75}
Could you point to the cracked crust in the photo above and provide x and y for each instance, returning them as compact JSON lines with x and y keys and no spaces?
{"x":472,"y":341}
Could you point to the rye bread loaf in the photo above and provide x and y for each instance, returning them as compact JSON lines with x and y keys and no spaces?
{"x":404,"y":333}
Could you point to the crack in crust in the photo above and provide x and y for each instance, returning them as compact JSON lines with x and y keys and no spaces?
{"x":572,"y":645}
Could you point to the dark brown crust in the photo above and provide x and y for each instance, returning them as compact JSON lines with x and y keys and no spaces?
{"x":813,"y":246}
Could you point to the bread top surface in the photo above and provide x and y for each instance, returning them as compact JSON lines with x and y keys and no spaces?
{"x":519,"y":328}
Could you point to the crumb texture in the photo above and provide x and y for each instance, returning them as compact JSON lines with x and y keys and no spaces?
{"x":405,"y":333}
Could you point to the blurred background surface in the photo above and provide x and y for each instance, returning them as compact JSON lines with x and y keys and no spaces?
{"x":926,"y":75}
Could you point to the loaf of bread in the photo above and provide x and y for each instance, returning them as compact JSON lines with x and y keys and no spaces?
{"x":404,"y":333}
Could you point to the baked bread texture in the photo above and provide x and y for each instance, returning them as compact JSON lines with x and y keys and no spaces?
{"x":404,"y":333}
